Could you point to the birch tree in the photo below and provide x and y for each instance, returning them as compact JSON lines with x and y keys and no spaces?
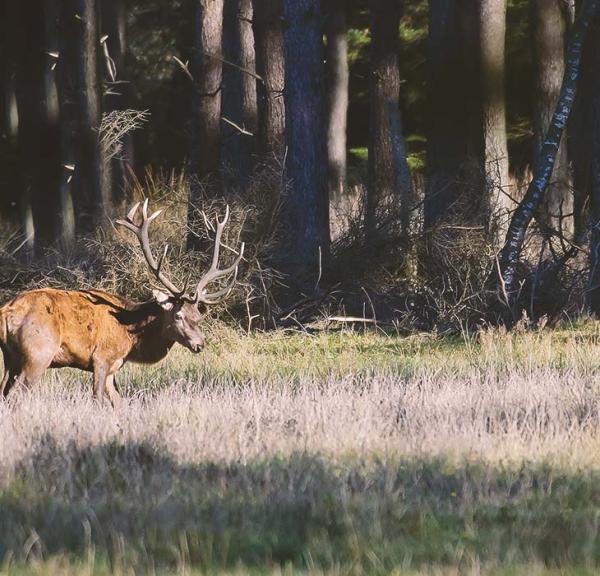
{"x":509,"y":256}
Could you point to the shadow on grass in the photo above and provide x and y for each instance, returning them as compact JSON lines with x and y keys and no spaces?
{"x":136,"y":506}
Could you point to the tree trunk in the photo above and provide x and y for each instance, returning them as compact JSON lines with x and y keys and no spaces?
{"x":306,"y":204}
{"x":207,"y":70}
{"x":580,"y":135}
{"x":68,"y":94}
{"x":549,"y":24}
{"x":592,"y":164}
{"x":11,"y":183}
{"x":270,"y":66}
{"x":248,"y":62}
{"x":114,"y":27}
{"x":534,"y":196}
{"x":239,"y":91}
{"x":389,"y":177}
{"x":38,"y":126}
{"x":50,"y":201}
{"x":94,"y":203}
{"x":492,"y":34}
{"x":337,"y":102}
{"x":455,"y":141}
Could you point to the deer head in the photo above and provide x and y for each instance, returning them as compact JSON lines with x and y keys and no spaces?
{"x":181,"y":316}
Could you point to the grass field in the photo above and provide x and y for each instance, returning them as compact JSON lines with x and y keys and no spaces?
{"x":337,"y":453}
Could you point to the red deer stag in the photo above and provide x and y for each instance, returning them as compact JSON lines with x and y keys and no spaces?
{"x":99,"y":332}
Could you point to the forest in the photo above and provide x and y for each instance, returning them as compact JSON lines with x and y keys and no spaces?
{"x":431,"y":161}
{"x":333,"y":268}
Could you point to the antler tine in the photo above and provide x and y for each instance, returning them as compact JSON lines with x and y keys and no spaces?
{"x":141,"y":232}
{"x":225,"y":218}
{"x":215,"y":297}
{"x":190,"y":299}
{"x":131,"y":213}
{"x":162,"y":257}
{"x":213,"y":272}
{"x":207,"y":223}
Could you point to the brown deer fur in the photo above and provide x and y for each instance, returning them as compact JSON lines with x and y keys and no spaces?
{"x":96,"y":331}
{"x":91,"y":330}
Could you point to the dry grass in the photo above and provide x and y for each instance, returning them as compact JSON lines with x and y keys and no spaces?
{"x":541,"y":417}
{"x":337,"y":452}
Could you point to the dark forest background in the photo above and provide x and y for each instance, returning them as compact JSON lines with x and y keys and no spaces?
{"x":392,"y":159}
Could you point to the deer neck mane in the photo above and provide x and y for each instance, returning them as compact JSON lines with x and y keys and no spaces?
{"x":145,"y":323}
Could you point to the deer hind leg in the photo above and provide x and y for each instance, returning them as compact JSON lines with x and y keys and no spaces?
{"x":10,"y":371}
{"x":29,"y":374}
{"x":36,"y":349}
{"x":9,"y":379}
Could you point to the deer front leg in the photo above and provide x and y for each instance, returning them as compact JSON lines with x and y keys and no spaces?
{"x":112,"y":392}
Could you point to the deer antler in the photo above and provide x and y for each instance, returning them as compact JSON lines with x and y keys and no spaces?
{"x":213,"y":272}
{"x":141,"y":233}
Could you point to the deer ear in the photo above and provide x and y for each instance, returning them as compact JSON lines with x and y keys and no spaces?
{"x":163,"y":299}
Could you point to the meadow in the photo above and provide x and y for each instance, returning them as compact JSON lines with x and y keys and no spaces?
{"x":328,"y":453}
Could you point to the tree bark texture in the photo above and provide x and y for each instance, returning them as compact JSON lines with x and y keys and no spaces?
{"x":115,"y":74}
{"x":67,"y":82}
{"x":492,"y":35}
{"x":306,"y":203}
{"x":39,"y":144}
{"x":534,"y":196}
{"x":549,"y":31}
{"x":593,"y":164}
{"x":239,"y":90}
{"x":55,"y":134}
{"x":207,"y":71}
{"x":270,"y":66}
{"x":337,"y":97}
{"x":455,"y":140}
{"x":580,"y":135}
{"x":10,"y":176}
{"x":93,"y":203}
{"x":390,"y":184}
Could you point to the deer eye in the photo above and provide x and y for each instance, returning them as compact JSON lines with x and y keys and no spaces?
{"x":179,"y":315}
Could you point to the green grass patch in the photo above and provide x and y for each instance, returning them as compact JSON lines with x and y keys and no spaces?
{"x":274,"y":356}
{"x":135,"y":507}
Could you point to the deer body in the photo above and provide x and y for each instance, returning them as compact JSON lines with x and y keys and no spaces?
{"x":90,"y":330}
{"x":98,"y":332}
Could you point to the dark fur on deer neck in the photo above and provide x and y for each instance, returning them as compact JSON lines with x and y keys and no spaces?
{"x":144,"y":322}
